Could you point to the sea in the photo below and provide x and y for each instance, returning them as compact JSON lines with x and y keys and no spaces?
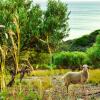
{"x":83,"y":19}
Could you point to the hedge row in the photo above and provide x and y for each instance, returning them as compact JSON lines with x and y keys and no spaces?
{"x":70,"y":59}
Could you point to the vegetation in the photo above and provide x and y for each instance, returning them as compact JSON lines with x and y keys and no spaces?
{"x":2,"y":76}
{"x":93,"y":74}
{"x":71,"y":60}
{"x":26,"y":24}
{"x":94,"y":53}
{"x":27,"y":89}
{"x":31,"y":41}
{"x":36,"y":25}
{"x":80,"y":44}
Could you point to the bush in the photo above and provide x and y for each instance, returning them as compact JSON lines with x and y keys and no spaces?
{"x":70,"y":59}
{"x":32,"y":96}
{"x":38,"y":60}
{"x":3,"y":95}
{"x":94,"y":53}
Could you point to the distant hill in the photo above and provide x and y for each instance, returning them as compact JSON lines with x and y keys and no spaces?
{"x":80,"y":44}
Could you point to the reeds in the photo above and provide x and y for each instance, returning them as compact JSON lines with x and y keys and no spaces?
{"x":3,"y":50}
{"x":15,"y":44}
{"x":15,"y":51}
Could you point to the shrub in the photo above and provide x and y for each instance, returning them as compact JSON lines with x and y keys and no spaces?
{"x":3,"y":95}
{"x":38,"y":60}
{"x":94,"y":53}
{"x":70,"y":59}
{"x":32,"y":96}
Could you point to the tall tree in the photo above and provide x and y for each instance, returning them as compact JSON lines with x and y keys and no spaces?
{"x":29,"y":18}
{"x":55,"y":25}
{"x":56,"y":22}
{"x":34,"y":23}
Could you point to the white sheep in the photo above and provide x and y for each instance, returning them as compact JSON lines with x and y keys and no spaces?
{"x":76,"y":77}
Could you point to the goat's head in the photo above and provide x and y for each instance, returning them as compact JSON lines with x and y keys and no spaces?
{"x":85,"y":67}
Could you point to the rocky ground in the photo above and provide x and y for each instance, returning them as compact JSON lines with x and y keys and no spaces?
{"x":58,"y":91}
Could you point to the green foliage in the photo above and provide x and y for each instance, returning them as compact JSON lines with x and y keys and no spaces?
{"x":34,"y":22}
{"x":34,"y":26}
{"x":94,"y":53}
{"x":11,"y":8}
{"x":56,"y":21}
{"x":32,"y":96}
{"x":70,"y":59}
{"x":80,"y":44}
{"x":27,"y":21}
{"x":38,"y":60}
{"x":3,"y":95}
{"x":98,"y":40}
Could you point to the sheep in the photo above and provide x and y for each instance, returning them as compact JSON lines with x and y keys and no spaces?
{"x":76,"y":77}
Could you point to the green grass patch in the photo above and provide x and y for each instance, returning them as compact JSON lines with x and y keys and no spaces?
{"x":49,"y":72}
{"x":94,"y":76}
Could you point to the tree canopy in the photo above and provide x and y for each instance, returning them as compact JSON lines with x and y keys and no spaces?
{"x":36,"y":24}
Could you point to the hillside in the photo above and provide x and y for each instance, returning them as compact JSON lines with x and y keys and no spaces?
{"x":80,"y":44}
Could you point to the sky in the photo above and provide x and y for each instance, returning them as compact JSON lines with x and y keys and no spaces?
{"x":84,"y":17}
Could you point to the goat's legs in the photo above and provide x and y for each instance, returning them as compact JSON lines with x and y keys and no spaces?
{"x":67,"y":87}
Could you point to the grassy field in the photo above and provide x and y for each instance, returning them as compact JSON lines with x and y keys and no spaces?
{"x":94,"y":75}
{"x":39,"y":82}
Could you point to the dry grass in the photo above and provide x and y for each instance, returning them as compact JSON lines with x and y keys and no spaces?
{"x":43,"y":85}
{"x":94,"y":75}
{"x":49,"y":72}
